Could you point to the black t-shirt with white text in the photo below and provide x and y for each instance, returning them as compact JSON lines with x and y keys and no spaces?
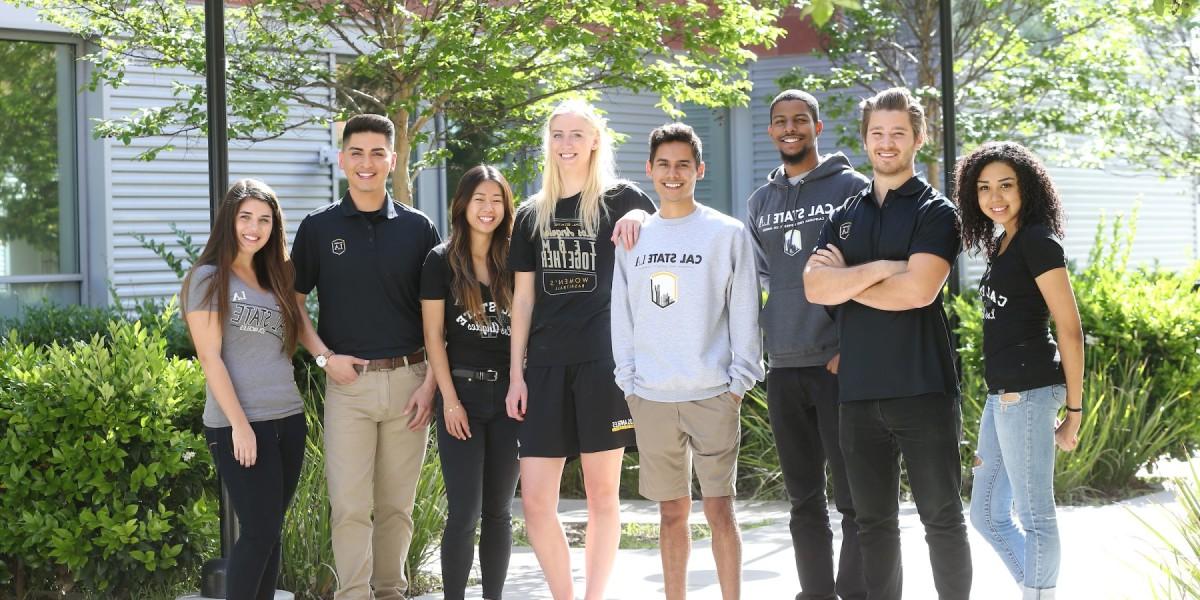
{"x":469,"y":344}
{"x":572,"y":276}
{"x":1018,"y":351}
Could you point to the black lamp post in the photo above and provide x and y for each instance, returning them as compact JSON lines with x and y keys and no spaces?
{"x":949,"y":143}
{"x":212,"y":579}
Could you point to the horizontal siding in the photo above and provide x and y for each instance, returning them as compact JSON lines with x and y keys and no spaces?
{"x":634,"y":116}
{"x":1166,"y":221}
{"x":765,"y":75}
{"x":147,"y":197}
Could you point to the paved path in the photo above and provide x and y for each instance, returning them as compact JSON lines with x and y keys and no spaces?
{"x":1104,"y":550}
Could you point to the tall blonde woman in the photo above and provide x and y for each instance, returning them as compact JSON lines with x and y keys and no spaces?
{"x":561,"y":374}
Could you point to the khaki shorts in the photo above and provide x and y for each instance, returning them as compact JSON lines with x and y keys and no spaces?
{"x":672,"y":436}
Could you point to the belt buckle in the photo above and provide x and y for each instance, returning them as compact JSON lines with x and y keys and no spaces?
{"x":489,"y":375}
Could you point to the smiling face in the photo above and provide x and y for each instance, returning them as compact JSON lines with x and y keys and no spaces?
{"x":794,"y":132}
{"x":891,"y":144}
{"x":674,"y":171}
{"x":367,"y":160}
{"x":999,"y":194}
{"x":572,"y":140}
{"x":253,"y":224}
{"x":485,"y":209}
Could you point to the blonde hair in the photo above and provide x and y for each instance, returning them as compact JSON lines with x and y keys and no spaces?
{"x":601,"y":175}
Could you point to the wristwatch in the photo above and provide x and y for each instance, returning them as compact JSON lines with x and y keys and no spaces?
{"x":323,"y":358}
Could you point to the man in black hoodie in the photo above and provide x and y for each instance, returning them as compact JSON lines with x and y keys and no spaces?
{"x":785,"y":217}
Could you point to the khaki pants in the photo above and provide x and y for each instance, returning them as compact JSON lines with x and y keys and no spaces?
{"x":372,"y":461}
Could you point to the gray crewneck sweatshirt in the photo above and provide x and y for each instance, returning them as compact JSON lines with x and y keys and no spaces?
{"x":685,"y":309}
{"x":785,"y":220}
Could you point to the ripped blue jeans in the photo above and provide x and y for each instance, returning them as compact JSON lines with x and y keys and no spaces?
{"x":1014,"y":473}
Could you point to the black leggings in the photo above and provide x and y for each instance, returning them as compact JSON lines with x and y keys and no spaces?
{"x":260,"y":494}
{"x":481,"y":479}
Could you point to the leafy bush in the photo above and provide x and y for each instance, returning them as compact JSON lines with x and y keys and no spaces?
{"x":102,"y":473}
{"x":1142,"y":368}
{"x":44,"y":324}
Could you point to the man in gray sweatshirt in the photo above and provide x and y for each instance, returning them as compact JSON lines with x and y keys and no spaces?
{"x":687,"y":348}
{"x":785,"y":217}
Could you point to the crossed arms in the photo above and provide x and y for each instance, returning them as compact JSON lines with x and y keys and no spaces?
{"x":893,"y":285}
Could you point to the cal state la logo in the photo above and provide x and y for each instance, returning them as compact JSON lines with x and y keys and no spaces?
{"x":844,"y":231}
{"x":664,"y":289}
{"x":791,"y":242}
{"x":339,"y":246}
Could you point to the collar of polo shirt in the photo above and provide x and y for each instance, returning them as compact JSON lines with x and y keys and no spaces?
{"x":350,"y":210}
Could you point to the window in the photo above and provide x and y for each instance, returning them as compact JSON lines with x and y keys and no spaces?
{"x":39,"y":216}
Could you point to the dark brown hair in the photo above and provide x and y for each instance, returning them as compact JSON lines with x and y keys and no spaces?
{"x":896,"y":98}
{"x":677,"y":132}
{"x":369,"y":123}
{"x":1039,"y":199}
{"x":464,"y":284}
{"x":271,"y":265}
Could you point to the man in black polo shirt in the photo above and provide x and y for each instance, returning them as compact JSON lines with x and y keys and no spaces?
{"x":883,"y":258}
{"x":364,"y":256}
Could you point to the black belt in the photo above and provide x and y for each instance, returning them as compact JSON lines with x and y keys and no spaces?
{"x":488,"y":375}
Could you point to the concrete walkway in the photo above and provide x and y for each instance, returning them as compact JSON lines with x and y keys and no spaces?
{"x":1105,"y":550}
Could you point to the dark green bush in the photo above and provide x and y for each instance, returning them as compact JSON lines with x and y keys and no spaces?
{"x":103,"y":474}
{"x":44,"y":324}
{"x":1142,"y":373}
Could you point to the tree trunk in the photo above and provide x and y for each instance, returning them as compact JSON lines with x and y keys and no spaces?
{"x":402,"y":188}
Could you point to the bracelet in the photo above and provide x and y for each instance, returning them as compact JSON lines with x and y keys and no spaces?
{"x":1074,"y":410}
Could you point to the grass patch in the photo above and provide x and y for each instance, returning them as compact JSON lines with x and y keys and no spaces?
{"x":634,"y":536}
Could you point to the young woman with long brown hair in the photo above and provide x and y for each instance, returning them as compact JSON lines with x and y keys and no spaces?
{"x":243,"y":320}
{"x":466,"y":292}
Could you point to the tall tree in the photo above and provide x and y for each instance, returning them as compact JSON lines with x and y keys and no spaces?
{"x":1031,"y":70}
{"x":485,"y":65}
{"x":1154,"y":115}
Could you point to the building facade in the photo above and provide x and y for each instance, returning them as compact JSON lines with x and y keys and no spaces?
{"x":72,"y":207}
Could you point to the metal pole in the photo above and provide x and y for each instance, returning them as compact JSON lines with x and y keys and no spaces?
{"x":218,"y":136}
{"x":949,"y":143}
{"x":218,"y":180}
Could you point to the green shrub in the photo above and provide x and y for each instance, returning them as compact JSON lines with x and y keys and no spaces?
{"x":102,"y":474}
{"x":46,"y":323}
{"x":1141,"y":375}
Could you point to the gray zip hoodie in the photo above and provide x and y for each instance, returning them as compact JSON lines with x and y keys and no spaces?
{"x":785,"y":220}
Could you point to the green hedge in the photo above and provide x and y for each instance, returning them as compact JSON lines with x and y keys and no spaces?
{"x":1142,"y":330}
{"x":103,"y":471}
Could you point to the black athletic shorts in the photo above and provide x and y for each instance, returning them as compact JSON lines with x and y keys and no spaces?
{"x":574,"y":409}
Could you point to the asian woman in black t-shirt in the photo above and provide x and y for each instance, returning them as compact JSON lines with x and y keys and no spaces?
{"x":1029,"y":374}
{"x":466,"y":292}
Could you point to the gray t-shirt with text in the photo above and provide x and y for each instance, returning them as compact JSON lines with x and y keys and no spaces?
{"x":252,"y":349}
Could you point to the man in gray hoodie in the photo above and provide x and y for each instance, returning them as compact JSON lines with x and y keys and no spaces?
{"x":785,"y":217}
